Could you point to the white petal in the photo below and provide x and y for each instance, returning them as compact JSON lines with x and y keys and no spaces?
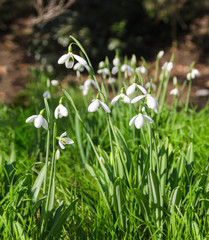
{"x":139,"y":122}
{"x":148,"y":119}
{"x":142,"y":89}
{"x":31,"y":118}
{"x":69,"y":141}
{"x":61,"y":145}
{"x":69,"y":63}
{"x":130,"y":90}
{"x":126,"y":99}
{"x":80,"y":59}
{"x":136,"y":99}
{"x":54,"y":82}
{"x":114,"y":70}
{"x":63,"y":134}
{"x":45,"y":124}
{"x":63,"y":58}
{"x":56,"y":112}
{"x":105,"y":107}
{"x":63,"y":110}
{"x":115,"y":99}
{"x":38,"y":121}
{"x":132,"y":121}
{"x":116,"y":61}
{"x":93,"y":106}
{"x":151,"y":102}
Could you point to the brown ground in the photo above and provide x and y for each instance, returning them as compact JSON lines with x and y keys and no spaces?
{"x":14,"y":62}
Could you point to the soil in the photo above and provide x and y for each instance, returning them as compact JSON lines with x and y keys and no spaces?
{"x":15,"y":64}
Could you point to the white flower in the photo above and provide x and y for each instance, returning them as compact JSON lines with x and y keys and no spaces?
{"x":138,"y":120}
{"x":116,"y":61}
{"x":68,"y":60}
{"x":147,"y":85}
{"x":57,"y":154}
{"x":123,"y":98}
{"x":111,"y":80}
{"x":174,"y":92}
{"x":202,"y":92}
{"x":63,"y":141}
{"x":160,"y":54}
{"x":47,"y":94}
{"x":127,"y":69}
{"x":101,"y":64}
{"x":60,"y":111}
{"x":104,"y":72}
{"x":114,"y":70}
{"x":39,"y":121}
{"x":85,"y":86}
{"x":131,"y":89}
{"x":54,"y":82}
{"x":194,"y":73}
{"x":142,"y":69}
{"x":151,"y":101}
{"x":78,"y":67}
{"x":167,"y":66}
{"x":95,"y":105}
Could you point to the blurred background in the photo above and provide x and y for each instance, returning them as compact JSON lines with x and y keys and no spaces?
{"x":37,"y":32}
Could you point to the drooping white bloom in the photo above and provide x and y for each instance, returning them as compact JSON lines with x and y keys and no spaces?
{"x":147,"y":85}
{"x":160,"y":54}
{"x":138,"y":120}
{"x":60,"y":111}
{"x":86,"y":85}
{"x":68,"y":60}
{"x":93,"y":107}
{"x":127,"y":69}
{"x":104,"y":72}
{"x":167,"y":66}
{"x":202,"y":93}
{"x":64,"y":140}
{"x":131,"y":89}
{"x":142,"y":70}
{"x":101,"y":64}
{"x":47,"y":94}
{"x":78,"y":67}
{"x":54,"y":82}
{"x":114,"y":70}
{"x":151,"y":102}
{"x":111,"y":80}
{"x":194,"y":73}
{"x":57,"y":154}
{"x":116,"y":61}
{"x":122,"y":97}
{"x":39,"y":121}
{"x":174,"y":92}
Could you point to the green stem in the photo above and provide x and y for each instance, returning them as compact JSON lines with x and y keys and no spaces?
{"x":47,"y":160}
{"x":188,"y":95}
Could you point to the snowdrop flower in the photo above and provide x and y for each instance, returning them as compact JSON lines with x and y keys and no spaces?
{"x":127,"y":69}
{"x":64,"y":140}
{"x":142,"y":69}
{"x":78,"y":67}
{"x":194,"y":73}
{"x":147,"y":85}
{"x":54,"y":82}
{"x":131,"y":89}
{"x":57,"y":154}
{"x":104,"y":72}
{"x":202,"y":93}
{"x":116,"y":61}
{"x":167,"y":66}
{"x":123,"y":98}
{"x":47,"y":94}
{"x":60,"y":111}
{"x":111,"y":80}
{"x":151,"y":101}
{"x":95,"y":105}
{"x":160,"y":54}
{"x":85,"y":86}
{"x":138,"y":120}
{"x":68,"y":60}
{"x":101,"y":64}
{"x":114,"y":70}
{"x":174,"y":92}
{"x":39,"y":121}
